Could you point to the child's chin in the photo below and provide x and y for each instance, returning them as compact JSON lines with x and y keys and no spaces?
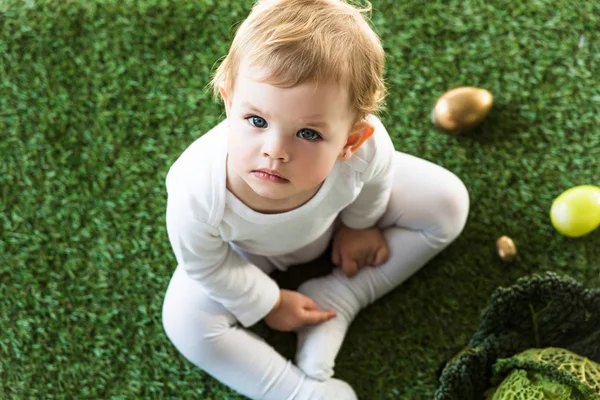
{"x":272,"y":193}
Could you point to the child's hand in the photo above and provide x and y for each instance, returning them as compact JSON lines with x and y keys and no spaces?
{"x":354,"y":248}
{"x":295,"y":310}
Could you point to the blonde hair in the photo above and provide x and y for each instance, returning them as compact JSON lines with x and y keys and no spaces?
{"x":318,"y":40}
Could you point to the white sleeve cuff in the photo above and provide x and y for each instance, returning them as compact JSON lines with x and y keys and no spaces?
{"x":254,"y":309}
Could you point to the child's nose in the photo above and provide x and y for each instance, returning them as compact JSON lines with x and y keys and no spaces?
{"x":275,"y":147}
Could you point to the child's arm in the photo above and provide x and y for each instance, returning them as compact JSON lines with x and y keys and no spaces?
{"x":226,"y":277}
{"x":359,"y":241}
{"x":371,"y":203}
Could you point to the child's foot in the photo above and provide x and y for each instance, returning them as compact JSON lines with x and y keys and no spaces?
{"x":318,"y":345}
{"x":331,"y":389}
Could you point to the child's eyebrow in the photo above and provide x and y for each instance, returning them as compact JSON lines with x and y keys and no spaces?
{"x":318,"y":124}
{"x":251,"y":108}
{"x":315,"y":120}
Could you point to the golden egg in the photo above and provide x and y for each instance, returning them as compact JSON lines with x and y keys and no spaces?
{"x":461,"y":109}
{"x":507,"y":251}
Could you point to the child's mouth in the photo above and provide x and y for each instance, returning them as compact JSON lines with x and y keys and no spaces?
{"x":263,"y":175}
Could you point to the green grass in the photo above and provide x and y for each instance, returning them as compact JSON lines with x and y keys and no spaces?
{"x":98,"y":99}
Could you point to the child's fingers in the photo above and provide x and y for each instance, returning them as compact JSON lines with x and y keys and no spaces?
{"x":335,"y":255}
{"x":349,"y":267}
{"x":382,"y":255}
{"x":317,"y":316}
{"x":309,"y":304}
{"x":314,"y":313}
{"x":372,"y":259}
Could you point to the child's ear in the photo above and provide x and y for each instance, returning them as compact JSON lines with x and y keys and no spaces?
{"x":359,"y":133}
{"x":226,"y":100}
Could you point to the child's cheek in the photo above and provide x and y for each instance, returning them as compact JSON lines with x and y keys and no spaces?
{"x":316,"y":169}
{"x":237,"y":146}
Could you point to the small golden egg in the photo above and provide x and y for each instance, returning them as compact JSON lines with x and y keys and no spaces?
{"x":461,"y":109}
{"x":507,"y":251}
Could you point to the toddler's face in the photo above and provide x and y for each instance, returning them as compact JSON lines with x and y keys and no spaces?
{"x":283,"y":142}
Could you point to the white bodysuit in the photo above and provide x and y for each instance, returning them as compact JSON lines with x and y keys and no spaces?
{"x":225,"y":252}
{"x":204,"y":218}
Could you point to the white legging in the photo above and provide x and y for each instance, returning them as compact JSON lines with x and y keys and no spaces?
{"x":427,"y":210}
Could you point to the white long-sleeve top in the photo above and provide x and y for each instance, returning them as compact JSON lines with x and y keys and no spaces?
{"x":204,"y":218}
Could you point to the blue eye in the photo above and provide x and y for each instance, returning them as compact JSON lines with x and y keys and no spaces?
{"x":308,"y":134}
{"x":257,"y":122}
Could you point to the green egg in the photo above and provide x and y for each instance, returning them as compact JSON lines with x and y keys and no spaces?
{"x":576,"y":212}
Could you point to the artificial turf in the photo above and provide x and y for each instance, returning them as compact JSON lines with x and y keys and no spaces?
{"x":98,"y":99}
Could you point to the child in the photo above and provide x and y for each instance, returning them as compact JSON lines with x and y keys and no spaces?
{"x":299,"y":161}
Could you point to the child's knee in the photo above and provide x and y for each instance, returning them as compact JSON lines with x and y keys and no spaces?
{"x":174,"y":325}
{"x":453,"y":205}
{"x":193,"y":331}
{"x":446,"y":209}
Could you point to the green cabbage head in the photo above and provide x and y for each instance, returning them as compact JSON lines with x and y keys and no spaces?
{"x":546,"y":374}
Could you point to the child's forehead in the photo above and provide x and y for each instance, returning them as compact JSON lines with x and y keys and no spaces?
{"x":256,"y":88}
{"x":258,"y":75}
{"x":307,"y":95}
